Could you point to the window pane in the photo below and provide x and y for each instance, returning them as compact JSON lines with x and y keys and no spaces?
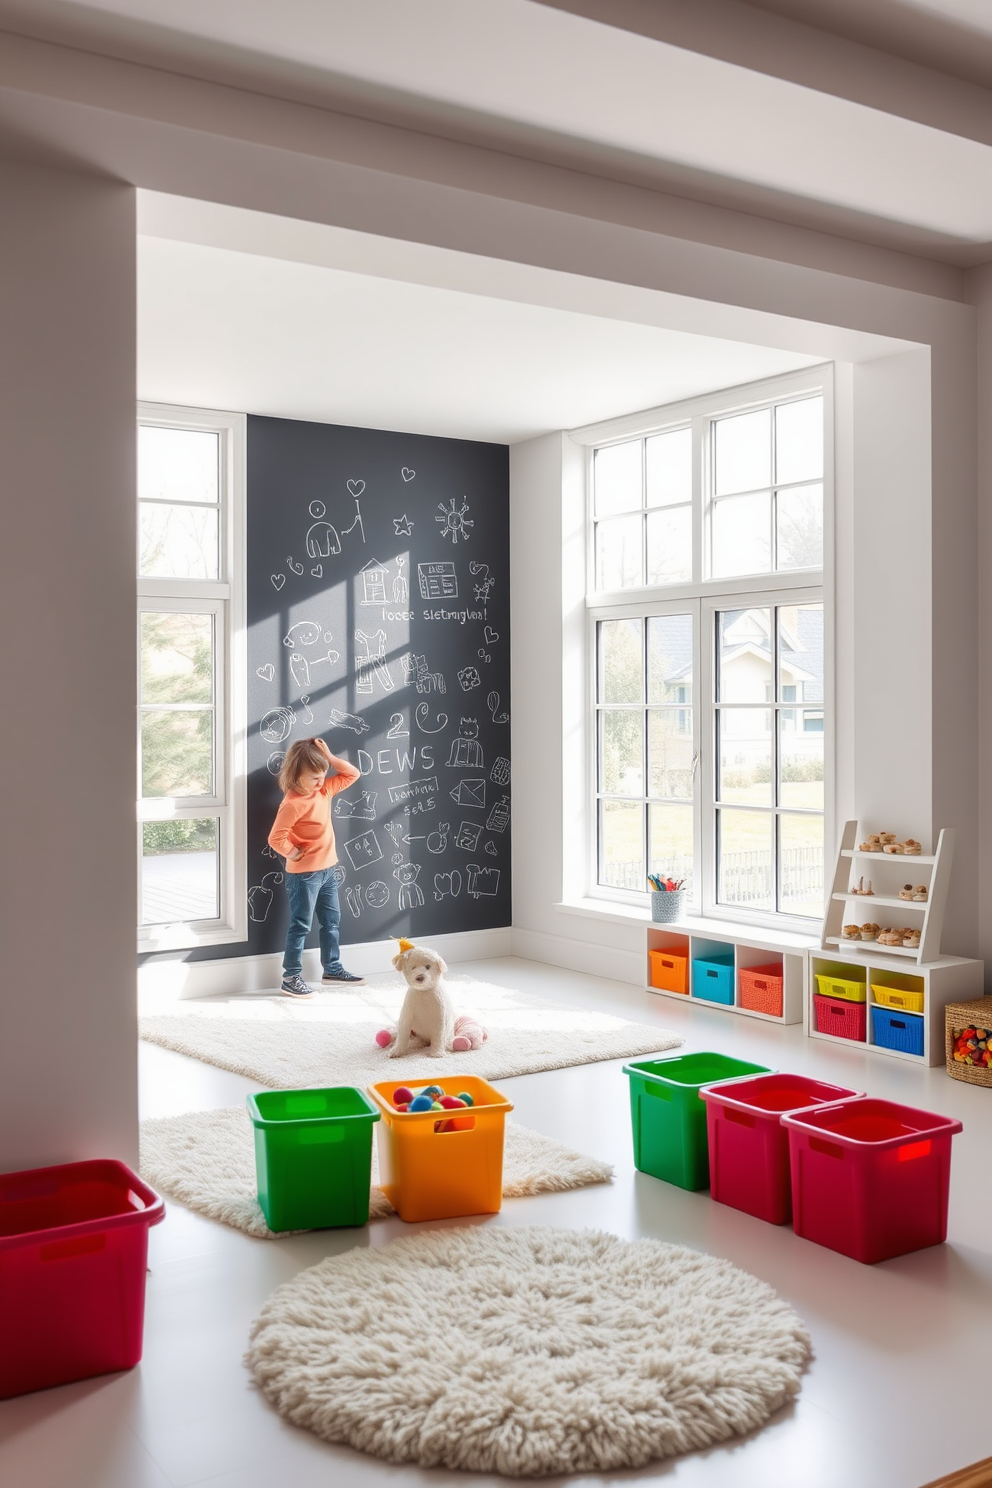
{"x":621,"y":845}
{"x":179,"y":871}
{"x":177,"y":753}
{"x":176,"y":658}
{"x":618,"y":553}
{"x":668,"y":466}
{"x":617,"y":478}
{"x":742,"y":538}
{"x":744,"y":658}
{"x":670,"y":842}
{"x":670,"y":659}
{"x":177,"y":464}
{"x":801,"y":865}
{"x":670,"y":545}
{"x":800,"y":653}
{"x":799,"y":527}
{"x":621,"y":661}
{"x":744,"y":858}
{"x":178,"y":542}
{"x":799,"y":441}
{"x":742,"y":452}
{"x":670,"y":752}
{"x":800,"y":754}
{"x":621,"y":768}
{"x":744,"y":745}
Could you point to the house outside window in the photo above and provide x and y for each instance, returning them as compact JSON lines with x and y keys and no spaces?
{"x":191,"y":696}
{"x":708,"y":762}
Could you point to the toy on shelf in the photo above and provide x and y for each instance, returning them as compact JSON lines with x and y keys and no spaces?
{"x":889,"y":891}
{"x":869,"y":930}
{"x":887,"y":842}
{"x":862,"y":888}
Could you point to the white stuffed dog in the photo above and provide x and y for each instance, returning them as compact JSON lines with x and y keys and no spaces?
{"x":427,"y":1019}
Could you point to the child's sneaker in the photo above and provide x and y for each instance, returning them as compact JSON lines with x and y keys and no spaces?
{"x":295,"y":986}
{"x":341,"y":978}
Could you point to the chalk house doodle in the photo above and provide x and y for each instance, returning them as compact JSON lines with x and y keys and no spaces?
{"x":365,"y":616}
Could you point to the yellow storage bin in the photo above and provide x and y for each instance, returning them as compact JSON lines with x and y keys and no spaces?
{"x":898,"y":997}
{"x":837,"y":986}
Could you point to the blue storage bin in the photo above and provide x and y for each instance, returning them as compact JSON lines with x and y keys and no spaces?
{"x":714,"y":980}
{"x":894,"y":1029}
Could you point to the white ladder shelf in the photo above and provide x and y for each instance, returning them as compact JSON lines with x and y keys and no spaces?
{"x":884,"y":868}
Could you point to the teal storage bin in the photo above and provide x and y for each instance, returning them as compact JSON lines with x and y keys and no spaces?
{"x":313,"y":1156}
{"x":714,"y":980}
{"x":668,"y":1117}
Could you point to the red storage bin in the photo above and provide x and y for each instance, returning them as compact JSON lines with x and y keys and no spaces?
{"x":841,"y":1018}
{"x":749,"y":1147}
{"x":73,"y":1257}
{"x":761,"y":988}
{"x":870,"y":1178}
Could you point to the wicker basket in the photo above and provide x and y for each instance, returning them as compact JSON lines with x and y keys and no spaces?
{"x":959,"y":1015}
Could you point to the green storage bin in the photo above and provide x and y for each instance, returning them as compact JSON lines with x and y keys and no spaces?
{"x":668,"y":1117}
{"x":313,"y":1156}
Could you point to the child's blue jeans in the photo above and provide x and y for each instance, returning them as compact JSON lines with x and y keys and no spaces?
{"x":309,"y":893}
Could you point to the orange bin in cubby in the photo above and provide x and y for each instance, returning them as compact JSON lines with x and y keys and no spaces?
{"x":670,"y":970}
{"x":441,"y":1167}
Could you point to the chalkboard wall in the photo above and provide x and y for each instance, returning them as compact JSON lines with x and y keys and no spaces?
{"x":378,"y":614}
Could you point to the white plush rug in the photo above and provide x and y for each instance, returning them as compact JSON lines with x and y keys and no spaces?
{"x":331,"y":1040}
{"x":206,"y":1160}
{"x":527,"y":1352}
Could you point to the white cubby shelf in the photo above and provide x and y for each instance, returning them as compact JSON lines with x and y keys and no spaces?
{"x":702,"y":940}
{"x":950,"y":979}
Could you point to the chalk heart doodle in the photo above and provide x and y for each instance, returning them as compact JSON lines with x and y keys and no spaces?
{"x":297,"y":568}
{"x":490,"y":636}
{"x":407,"y":473}
{"x":356,"y":487}
{"x":277,"y":580}
{"x":318,"y":570}
{"x":266,"y":672}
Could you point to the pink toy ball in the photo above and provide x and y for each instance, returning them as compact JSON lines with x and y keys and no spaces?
{"x":451,"y":1103}
{"x":384,"y":1038}
{"x":402,"y":1095}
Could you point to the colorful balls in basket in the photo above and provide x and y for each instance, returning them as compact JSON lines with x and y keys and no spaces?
{"x":973,"y":1046}
{"x":432,"y":1098}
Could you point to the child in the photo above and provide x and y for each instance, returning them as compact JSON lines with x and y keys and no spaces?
{"x":302,"y":833}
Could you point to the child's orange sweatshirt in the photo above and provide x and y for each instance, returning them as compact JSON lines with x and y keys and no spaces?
{"x":305,"y":821}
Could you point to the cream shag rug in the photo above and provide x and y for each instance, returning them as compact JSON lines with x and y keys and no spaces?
{"x":527,"y":1352}
{"x":331,"y":1040}
{"x":206,"y":1160}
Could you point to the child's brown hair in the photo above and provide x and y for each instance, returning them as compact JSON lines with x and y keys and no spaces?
{"x":302,"y":756}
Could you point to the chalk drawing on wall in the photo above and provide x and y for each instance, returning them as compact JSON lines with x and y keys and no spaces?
{"x":490,"y":636}
{"x":417,"y":675}
{"x":260,"y":897}
{"x":500,"y":772}
{"x":266,"y":672}
{"x":363,"y":850}
{"x":401,"y":586}
{"x":355,"y":489}
{"x":339,"y":873}
{"x":277,"y":580}
{"x":485,"y":585}
{"x":437,"y":580}
{"x":359,"y":808}
{"x":446,"y":884}
{"x":397,"y":833}
{"x":322,"y":538}
{"x":305,"y":703}
{"x":469,"y":678}
{"x":412,"y":791}
{"x":423,"y":714}
{"x":410,"y":894}
{"x":397,"y":729}
{"x":303,"y":633}
{"x":499,"y":817}
{"x":454,"y":520}
{"x":274,"y":762}
{"x":483,"y":883}
{"x":468,"y":836}
{"x":371,"y":667}
{"x":318,"y":570}
{"x":374,"y":575}
{"x":377,"y":894}
{"x":470,"y":793}
{"x":402,"y":526}
{"x":466,"y":751}
{"x":491,"y":848}
{"x":353,"y":899}
{"x":494,"y":709}
{"x":437,"y":840}
{"x":349,"y":721}
{"x":296,"y":568}
{"x":407,"y":473}
{"x":277,"y":725}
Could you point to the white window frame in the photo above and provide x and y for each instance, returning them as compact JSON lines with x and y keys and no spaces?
{"x":704,"y":596}
{"x":225,"y":599}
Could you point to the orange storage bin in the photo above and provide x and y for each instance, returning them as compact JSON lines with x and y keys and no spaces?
{"x":670,"y":971}
{"x":761,"y":988}
{"x":428,"y":1173}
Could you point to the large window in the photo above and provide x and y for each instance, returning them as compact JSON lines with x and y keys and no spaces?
{"x":190,"y":733}
{"x":707,"y":638}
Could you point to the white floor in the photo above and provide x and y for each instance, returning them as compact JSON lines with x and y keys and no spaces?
{"x":896,"y":1394}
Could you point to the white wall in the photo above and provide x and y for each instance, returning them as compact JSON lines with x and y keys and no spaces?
{"x":67,"y":606}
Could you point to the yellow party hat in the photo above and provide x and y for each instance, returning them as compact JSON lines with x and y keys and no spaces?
{"x":405,"y":945}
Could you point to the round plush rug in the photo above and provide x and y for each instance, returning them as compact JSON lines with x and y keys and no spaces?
{"x":527,"y":1352}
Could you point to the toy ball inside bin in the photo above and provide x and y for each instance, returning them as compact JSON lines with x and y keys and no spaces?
{"x":313,"y":1156}
{"x":441,"y":1168}
{"x":668,"y":1118}
{"x":73,"y":1260}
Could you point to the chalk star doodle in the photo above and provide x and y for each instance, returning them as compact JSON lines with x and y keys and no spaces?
{"x":453,"y":520}
{"x":469,"y":678}
{"x":482,"y":591}
{"x":402,"y":526}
